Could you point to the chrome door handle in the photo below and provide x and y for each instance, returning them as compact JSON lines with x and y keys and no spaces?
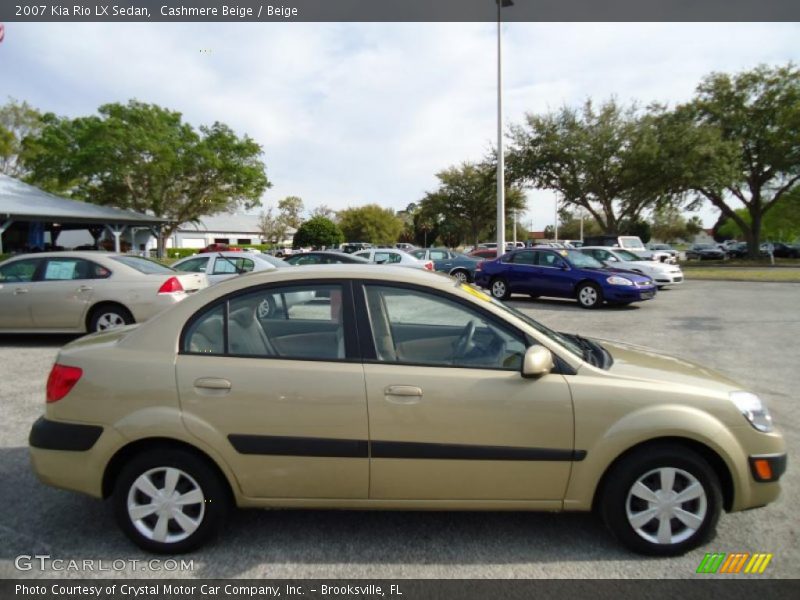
{"x":18,"y":291}
{"x":212,"y":383}
{"x":85,"y":288}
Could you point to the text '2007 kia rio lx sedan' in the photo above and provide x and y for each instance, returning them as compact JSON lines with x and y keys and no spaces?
{"x":366,"y":389}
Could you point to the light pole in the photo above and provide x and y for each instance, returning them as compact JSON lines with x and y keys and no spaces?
{"x":501,"y":179}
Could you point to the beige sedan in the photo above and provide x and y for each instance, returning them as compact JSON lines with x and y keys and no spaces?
{"x":388,"y":394}
{"x":76,"y":292}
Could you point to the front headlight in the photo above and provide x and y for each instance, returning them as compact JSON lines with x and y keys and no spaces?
{"x":753,"y":410}
{"x":617,"y":280}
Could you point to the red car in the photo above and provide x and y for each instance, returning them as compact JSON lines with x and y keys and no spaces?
{"x":485,"y":253}
{"x":219,"y":248}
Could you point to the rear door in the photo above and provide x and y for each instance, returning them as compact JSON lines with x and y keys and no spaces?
{"x":281,"y":396}
{"x":64,"y":292}
{"x":523,"y":273}
{"x":17,"y":282}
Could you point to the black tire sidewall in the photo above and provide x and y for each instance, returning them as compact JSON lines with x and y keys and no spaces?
{"x":629,"y":469}
{"x":491,"y":288}
{"x":123,"y":312}
{"x":214,"y":491}
{"x":596,"y":288}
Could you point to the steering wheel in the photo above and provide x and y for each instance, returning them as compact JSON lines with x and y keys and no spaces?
{"x":464,"y":344}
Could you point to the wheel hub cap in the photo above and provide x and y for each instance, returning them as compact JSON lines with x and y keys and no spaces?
{"x":666,"y":506}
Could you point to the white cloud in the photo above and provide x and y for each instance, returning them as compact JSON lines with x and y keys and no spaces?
{"x":354,"y":113}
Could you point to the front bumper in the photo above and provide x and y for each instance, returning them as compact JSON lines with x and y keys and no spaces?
{"x":625,"y":293}
{"x":673,"y":278}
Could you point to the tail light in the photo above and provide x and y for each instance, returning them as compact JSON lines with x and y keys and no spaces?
{"x":62,"y":379}
{"x":479,"y":266}
{"x":170,"y":286}
{"x":429,"y":266}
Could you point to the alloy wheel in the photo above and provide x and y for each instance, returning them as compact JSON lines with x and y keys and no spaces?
{"x":109,"y":320}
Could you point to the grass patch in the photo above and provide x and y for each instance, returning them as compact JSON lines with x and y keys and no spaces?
{"x":740,"y":262}
{"x":764,"y":274}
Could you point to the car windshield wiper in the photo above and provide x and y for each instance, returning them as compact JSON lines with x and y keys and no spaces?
{"x":587,"y":346}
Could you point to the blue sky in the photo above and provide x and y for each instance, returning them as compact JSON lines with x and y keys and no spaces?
{"x":356,"y":113}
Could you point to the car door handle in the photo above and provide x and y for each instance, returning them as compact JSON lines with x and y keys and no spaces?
{"x":18,"y":291}
{"x":403,"y":394}
{"x":212,"y":383}
{"x":85,"y":288}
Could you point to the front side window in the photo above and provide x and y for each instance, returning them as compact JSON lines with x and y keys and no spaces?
{"x":297,"y":322}
{"x":415,"y":327}
{"x":19,"y":271}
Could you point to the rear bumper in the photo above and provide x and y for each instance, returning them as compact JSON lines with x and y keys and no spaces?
{"x":53,"y":435}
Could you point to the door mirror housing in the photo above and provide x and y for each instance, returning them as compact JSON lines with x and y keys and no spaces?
{"x":538,"y":361}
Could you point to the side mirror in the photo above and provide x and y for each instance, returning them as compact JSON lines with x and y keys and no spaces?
{"x":538,"y":361}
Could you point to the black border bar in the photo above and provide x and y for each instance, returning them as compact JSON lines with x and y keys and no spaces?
{"x":400,"y":11}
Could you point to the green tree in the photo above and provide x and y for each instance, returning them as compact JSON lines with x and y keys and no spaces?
{"x":370,"y":223}
{"x":272,"y":228}
{"x":323,"y":210}
{"x":143,"y":157}
{"x":599,"y":159}
{"x":464,"y":206}
{"x":18,"y":120}
{"x":738,"y":143}
{"x":291,"y":211}
{"x":318,"y":232}
{"x":569,"y":225}
{"x":669,"y":225}
{"x":781,"y":224}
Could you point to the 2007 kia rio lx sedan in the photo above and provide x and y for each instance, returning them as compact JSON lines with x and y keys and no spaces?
{"x":379,"y":393}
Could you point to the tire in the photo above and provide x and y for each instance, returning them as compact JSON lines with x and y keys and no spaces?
{"x":499,"y":288}
{"x":635,"y":489}
{"x":109,"y":316}
{"x":461,"y":276}
{"x":589,"y":295}
{"x":180,"y":527}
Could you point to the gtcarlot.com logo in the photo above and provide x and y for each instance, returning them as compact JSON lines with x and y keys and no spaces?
{"x":735,"y":563}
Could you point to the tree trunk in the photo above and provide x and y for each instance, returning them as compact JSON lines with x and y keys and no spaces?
{"x":754,"y":237}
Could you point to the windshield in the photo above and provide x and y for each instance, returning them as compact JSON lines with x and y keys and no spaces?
{"x":580,"y":260}
{"x":275,"y":262}
{"x":627,"y":256}
{"x":632,"y":243}
{"x":143,"y":265}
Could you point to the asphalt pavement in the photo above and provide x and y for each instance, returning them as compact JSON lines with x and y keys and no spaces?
{"x":750,"y":331}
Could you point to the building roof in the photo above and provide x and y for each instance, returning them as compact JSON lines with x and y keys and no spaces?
{"x":22,"y":202}
{"x":227,"y":223}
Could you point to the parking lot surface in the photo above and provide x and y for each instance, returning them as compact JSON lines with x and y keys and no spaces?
{"x":750,"y":331}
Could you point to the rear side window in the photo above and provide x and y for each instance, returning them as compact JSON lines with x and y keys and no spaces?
{"x":193,"y":265}
{"x":143,"y":265}
{"x":226,"y":266}
{"x":65,"y":269}
{"x":297,"y":322}
{"x":524,"y":258}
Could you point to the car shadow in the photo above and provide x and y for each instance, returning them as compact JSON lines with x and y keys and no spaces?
{"x":37,"y":340}
{"x":563,"y":305}
{"x":39,"y":519}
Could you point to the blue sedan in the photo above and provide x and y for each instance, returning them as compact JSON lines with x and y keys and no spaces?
{"x":562,"y":273}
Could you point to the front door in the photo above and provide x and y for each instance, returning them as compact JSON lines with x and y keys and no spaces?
{"x":280,"y":391}
{"x":450,"y":415}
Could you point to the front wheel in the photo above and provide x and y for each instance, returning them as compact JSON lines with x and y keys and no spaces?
{"x":589,"y":295}
{"x":169,"y":501}
{"x":499,"y":288}
{"x":662,"y":502}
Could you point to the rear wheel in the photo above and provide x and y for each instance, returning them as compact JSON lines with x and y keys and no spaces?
{"x":169,"y":501}
{"x":499,"y":288}
{"x":109,"y":316}
{"x":589,"y":295}
{"x":461,"y":276}
{"x":662,"y":502}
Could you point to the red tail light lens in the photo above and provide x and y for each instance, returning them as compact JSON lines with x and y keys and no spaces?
{"x":429,"y":266}
{"x":170,"y":286}
{"x":62,"y":379}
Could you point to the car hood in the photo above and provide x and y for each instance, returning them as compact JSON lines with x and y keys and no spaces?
{"x":607,"y":271}
{"x":639,"y":362}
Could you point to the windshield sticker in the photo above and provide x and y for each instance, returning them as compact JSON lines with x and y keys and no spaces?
{"x":475,"y":292}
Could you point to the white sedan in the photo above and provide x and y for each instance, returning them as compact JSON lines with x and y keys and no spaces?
{"x":219,"y":266}
{"x":662,"y":273}
{"x":390,"y":256}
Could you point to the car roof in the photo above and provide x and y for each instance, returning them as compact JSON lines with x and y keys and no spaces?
{"x":88,"y":254}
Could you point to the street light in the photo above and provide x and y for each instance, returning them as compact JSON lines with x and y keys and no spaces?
{"x":501,"y":179}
